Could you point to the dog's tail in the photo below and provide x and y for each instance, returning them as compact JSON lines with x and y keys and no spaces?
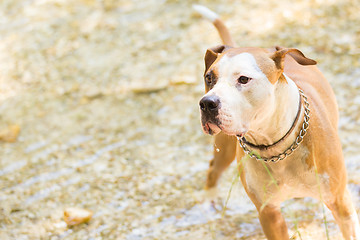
{"x":218,"y":23}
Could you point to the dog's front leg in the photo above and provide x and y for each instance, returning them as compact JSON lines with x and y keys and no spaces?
{"x":345,"y":215}
{"x":273,"y":223}
{"x":262,"y":195}
{"x":224,"y":154}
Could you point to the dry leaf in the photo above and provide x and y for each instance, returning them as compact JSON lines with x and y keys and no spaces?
{"x":148,"y":89}
{"x":187,"y":80}
{"x":10,"y":133}
{"x":75,"y":216}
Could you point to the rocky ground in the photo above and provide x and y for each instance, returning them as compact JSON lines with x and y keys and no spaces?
{"x":99,"y":110}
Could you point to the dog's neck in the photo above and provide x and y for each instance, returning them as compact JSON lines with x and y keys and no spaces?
{"x":276,"y":118}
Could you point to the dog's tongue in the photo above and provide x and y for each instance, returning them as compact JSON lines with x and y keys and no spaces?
{"x":212,"y":128}
{"x":207,"y":128}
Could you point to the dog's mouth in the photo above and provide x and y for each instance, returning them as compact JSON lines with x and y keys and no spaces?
{"x":222,"y":123}
{"x":211,"y":128}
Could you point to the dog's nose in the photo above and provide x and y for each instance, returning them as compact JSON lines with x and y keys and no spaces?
{"x":209,"y":103}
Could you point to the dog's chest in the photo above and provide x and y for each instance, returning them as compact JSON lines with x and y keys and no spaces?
{"x":292,"y":178}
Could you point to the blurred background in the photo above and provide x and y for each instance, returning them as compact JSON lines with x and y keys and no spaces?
{"x":99,"y":111}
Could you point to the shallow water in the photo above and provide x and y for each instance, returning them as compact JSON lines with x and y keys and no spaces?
{"x":106,"y":94}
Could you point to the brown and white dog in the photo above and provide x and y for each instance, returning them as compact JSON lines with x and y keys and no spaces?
{"x":253,"y":94}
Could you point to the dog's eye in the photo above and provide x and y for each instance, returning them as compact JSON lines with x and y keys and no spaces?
{"x":208,"y":79}
{"x":243,"y":80}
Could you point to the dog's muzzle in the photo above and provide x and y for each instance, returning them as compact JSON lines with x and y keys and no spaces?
{"x":209,"y":106}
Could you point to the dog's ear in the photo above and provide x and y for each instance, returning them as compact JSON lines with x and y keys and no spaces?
{"x":212,"y":54}
{"x":299,"y":57}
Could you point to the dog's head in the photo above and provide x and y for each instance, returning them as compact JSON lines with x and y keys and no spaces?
{"x":240,"y":84}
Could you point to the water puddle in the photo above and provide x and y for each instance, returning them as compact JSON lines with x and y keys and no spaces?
{"x":77,"y":140}
{"x":45,"y":192}
{"x":51,"y":176}
{"x":12,"y":167}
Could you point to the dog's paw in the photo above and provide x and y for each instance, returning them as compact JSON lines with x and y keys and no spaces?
{"x":206,"y":195}
{"x":211,"y":194}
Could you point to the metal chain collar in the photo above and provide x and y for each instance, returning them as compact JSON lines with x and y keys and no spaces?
{"x":293,"y":146}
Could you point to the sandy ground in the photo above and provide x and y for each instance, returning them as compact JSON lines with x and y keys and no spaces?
{"x":105,"y":94}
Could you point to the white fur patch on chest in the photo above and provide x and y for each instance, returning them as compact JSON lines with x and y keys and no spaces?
{"x":293,"y":179}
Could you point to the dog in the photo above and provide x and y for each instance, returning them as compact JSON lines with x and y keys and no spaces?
{"x":275,"y":111}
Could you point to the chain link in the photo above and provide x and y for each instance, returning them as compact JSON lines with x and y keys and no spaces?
{"x":293,"y":146}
